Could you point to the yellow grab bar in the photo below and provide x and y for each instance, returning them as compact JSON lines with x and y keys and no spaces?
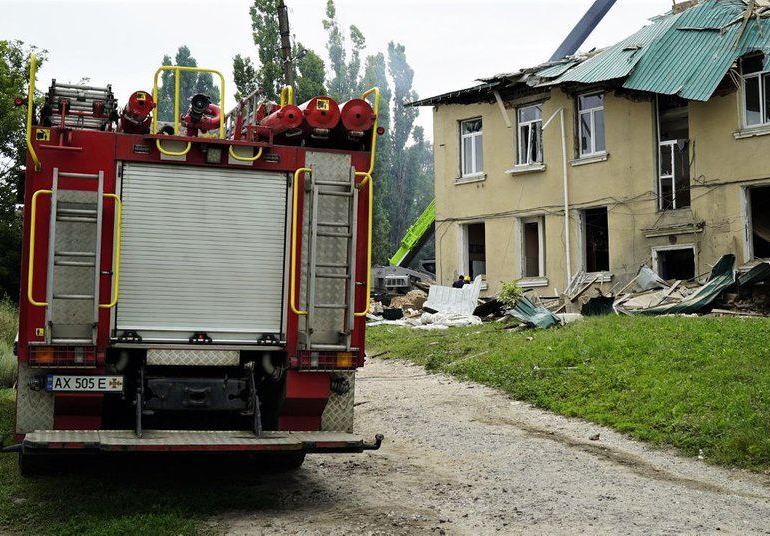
{"x":293,"y":271}
{"x":246,"y":158}
{"x":377,"y":96}
{"x":178,"y":69}
{"x":173,"y":153}
{"x":367,"y":180}
{"x":31,"y":257}
{"x":287,"y":96}
{"x":30,"y":108}
{"x":117,"y":245}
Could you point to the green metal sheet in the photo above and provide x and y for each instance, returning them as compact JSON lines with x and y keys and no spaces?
{"x":554,"y":71}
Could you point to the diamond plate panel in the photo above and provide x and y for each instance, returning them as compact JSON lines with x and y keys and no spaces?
{"x":338,"y":414}
{"x":34,"y":409}
{"x":193,"y":358}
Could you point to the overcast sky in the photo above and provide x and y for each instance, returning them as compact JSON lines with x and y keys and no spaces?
{"x":449,"y":43}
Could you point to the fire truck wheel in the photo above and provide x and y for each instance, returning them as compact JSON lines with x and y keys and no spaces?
{"x":280,"y":462}
{"x":31,"y":465}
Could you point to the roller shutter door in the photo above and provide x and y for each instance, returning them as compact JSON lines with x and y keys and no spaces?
{"x":203,"y":250}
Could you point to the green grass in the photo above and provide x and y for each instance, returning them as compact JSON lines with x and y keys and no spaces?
{"x":694,"y":383}
{"x":9,"y":323}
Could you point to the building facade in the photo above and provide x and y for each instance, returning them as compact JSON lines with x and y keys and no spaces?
{"x":650,"y":177}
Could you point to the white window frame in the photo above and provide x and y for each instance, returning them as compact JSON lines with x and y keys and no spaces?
{"x":760,"y":75}
{"x":540,"y":220}
{"x":472,"y":135}
{"x":656,"y":250}
{"x":524,"y":159}
{"x":592,"y":112}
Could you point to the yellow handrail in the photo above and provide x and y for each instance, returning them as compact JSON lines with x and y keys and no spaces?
{"x":368,"y":180}
{"x":246,"y":158}
{"x":287,"y":96}
{"x":178,"y":69}
{"x":117,"y":245}
{"x":373,"y":151}
{"x":293,"y":271}
{"x":31,"y":255}
{"x":30,"y":108}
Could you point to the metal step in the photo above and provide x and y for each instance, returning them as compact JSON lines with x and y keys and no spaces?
{"x":333,"y":276}
{"x":73,"y":296}
{"x":335,"y":235}
{"x":76,"y":219}
{"x":332,"y":224}
{"x":331,"y":306}
{"x":79,"y":175}
{"x":75,"y":254}
{"x":83,"y":264}
{"x":322,"y":193}
{"x":76,"y":212}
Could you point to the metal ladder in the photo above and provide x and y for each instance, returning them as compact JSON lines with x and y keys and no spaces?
{"x":331,"y":261}
{"x":74,"y":255}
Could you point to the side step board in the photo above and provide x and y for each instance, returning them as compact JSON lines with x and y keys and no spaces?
{"x":197,"y":441}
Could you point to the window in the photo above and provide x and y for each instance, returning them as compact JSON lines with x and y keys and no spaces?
{"x":756,"y":97}
{"x":532,"y":246}
{"x":473,"y":250}
{"x":591,"y":124}
{"x":530,"y":135}
{"x":596,"y":237}
{"x":471,"y":151}
{"x":673,"y":153}
{"x":675,"y":263}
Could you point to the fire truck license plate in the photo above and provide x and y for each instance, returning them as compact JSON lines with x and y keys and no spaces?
{"x":93,"y":384}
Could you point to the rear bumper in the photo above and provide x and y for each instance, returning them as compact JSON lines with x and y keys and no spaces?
{"x":196,"y":441}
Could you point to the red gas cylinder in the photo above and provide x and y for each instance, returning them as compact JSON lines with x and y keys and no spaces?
{"x":357,"y":117}
{"x":135,"y":117}
{"x":284,"y":120}
{"x":322,"y":115}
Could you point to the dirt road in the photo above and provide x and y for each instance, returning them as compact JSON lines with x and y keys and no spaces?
{"x":463,"y":459}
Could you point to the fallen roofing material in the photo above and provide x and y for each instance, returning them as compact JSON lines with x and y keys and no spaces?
{"x":533,"y":316}
{"x":685,"y":53}
{"x":676,"y":300}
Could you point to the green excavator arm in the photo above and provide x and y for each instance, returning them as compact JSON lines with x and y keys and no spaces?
{"x":416,"y":236}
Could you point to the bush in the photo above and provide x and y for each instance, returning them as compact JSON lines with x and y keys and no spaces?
{"x":9,"y":325}
{"x":510,"y":293}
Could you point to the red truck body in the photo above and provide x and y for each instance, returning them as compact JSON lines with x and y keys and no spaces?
{"x":206,"y":328}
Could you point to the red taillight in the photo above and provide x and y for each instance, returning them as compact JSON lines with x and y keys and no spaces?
{"x":62,"y":356}
{"x":327,"y":360}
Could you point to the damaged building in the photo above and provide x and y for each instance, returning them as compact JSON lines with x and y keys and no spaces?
{"x":656,"y":148}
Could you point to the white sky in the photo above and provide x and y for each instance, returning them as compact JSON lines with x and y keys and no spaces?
{"x":449,"y":43}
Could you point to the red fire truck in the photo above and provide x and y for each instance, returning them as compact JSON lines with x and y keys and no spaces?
{"x":195,"y":285}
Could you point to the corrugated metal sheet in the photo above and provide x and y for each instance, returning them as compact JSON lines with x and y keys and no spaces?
{"x":554,"y":71}
{"x":619,"y":60}
{"x":203,"y":250}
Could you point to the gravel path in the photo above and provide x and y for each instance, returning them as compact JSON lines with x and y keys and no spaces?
{"x":459,"y":458}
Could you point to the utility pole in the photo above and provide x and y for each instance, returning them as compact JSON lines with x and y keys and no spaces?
{"x":283,"y":28}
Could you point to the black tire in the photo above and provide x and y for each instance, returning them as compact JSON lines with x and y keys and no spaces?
{"x":280,"y":462}
{"x":32,"y":465}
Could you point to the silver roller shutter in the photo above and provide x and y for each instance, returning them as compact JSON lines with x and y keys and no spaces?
{"x":203,"y":250}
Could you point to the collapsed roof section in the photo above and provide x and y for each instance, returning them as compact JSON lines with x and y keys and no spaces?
{"x":685,"y":53}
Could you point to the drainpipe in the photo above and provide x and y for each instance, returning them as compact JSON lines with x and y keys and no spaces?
{"x":565,"y":164}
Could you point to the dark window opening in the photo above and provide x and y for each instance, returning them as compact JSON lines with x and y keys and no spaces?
{"x":477,"y":250}
{"x":760,"y":221}
{"x":673,"y":153}
{"x":676,"y":264}
{"x":597,"y":240}
{"x":532,"y":266}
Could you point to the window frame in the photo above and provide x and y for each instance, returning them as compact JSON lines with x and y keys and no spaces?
{"x":474,"y":157}
{"x":524,"y":159}
{"x":656,"y":250}
{"x":584,"y":239}
{"x":763,"y":112}
{"x":592,"y":113}
{"x":540,"y":220}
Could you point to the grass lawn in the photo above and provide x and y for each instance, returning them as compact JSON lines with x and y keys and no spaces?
{"x":694,"y":383}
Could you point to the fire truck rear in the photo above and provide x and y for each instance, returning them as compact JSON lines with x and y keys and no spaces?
{"x":195,"y":285}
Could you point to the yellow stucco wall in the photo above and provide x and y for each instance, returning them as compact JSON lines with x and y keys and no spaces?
{"x":625,"y":183}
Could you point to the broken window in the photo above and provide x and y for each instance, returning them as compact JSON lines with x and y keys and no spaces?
{"x":674,"y":153}
{"x":676,"y":264}
{"x":533,"y":250}
{"x":756,"y":97}
{"x":760,"y":221}
{"x":597,"y":240}
{"x":591,"y":124}
{"x":471,"y":149}
{"x":473,"y":250}
{"x":530,"y":135}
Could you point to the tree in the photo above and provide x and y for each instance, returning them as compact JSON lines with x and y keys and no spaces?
{"x":267,"y":75}
{"x":344,"y":82}
{"x":14,"y":73}
{"x":190,"y":83}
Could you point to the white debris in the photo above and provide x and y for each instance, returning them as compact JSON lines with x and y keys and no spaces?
{"x":454,"y":300}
